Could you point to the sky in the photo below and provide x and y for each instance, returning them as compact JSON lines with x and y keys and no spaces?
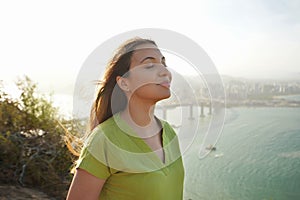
{"x":50,"y":40}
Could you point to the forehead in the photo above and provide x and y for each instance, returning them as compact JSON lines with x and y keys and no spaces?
{"x":145,"y":50}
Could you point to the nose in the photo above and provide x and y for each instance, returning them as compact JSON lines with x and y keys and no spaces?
{"x":165,"y":72}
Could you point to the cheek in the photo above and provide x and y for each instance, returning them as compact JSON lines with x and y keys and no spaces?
{"x":139,"y":80}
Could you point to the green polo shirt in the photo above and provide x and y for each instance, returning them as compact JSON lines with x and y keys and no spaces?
{"x":131,"y":169}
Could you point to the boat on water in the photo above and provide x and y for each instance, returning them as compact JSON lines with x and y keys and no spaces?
{"x":211,"y":147}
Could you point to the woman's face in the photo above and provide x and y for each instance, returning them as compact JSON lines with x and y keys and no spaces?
{"x":149,"y":78}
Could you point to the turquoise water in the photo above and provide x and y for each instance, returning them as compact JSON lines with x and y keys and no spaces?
{"x":257,"y":157}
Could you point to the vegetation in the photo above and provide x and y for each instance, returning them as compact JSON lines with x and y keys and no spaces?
{"x":33,"y":150}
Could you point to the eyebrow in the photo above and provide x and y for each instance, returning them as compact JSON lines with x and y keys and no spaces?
{"x":151,"y":58}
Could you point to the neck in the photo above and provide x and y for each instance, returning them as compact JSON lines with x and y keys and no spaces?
{"x":140,"y":113}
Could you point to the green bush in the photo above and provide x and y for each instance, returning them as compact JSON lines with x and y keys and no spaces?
{"x":32,"y":146}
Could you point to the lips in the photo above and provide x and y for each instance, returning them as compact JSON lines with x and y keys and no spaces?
{"x":165,"y":84}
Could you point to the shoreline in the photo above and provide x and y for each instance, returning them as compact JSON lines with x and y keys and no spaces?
{"x":274,"y":101}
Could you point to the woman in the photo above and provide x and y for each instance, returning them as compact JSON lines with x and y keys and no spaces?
{"x":129,"y":152}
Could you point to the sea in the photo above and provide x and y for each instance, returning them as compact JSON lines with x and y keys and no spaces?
{"x":257,"y":155}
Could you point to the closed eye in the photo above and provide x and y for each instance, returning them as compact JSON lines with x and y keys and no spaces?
{"x":149,"y":65}
{"x":162,"y":60}
{"x":151,"y":62}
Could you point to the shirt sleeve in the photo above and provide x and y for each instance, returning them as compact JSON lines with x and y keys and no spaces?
{"x":90,"y":164}
{"x":93,"y":157}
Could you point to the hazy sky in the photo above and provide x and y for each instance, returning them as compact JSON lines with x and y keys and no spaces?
{"x":50,"y":40}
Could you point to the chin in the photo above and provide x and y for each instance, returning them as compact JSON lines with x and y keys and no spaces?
{"x":153,"y":93}
{"x":164,"y":97}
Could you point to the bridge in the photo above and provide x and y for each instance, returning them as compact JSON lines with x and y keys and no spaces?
{"x":204,"y":103}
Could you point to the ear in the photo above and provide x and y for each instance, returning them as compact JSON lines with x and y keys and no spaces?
{"x":123,"y":83}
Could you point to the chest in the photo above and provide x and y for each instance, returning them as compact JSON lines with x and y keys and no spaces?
{"x":165,"y":184}
{"x":156,"y":145}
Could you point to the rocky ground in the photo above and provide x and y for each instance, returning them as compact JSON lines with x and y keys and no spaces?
{"x":9,"y":192}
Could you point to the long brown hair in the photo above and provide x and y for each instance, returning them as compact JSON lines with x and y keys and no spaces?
{"x":109,"y":93}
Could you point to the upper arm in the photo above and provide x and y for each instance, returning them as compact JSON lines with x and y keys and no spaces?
{"x":85,"y":186}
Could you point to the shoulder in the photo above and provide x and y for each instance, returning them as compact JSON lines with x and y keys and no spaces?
{"x":101,"y":132}
{"x":110,"y":132}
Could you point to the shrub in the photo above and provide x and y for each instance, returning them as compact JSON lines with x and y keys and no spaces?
{"x":32,"y":147}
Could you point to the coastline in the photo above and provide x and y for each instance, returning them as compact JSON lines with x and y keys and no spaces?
{"x":273,"y":101}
